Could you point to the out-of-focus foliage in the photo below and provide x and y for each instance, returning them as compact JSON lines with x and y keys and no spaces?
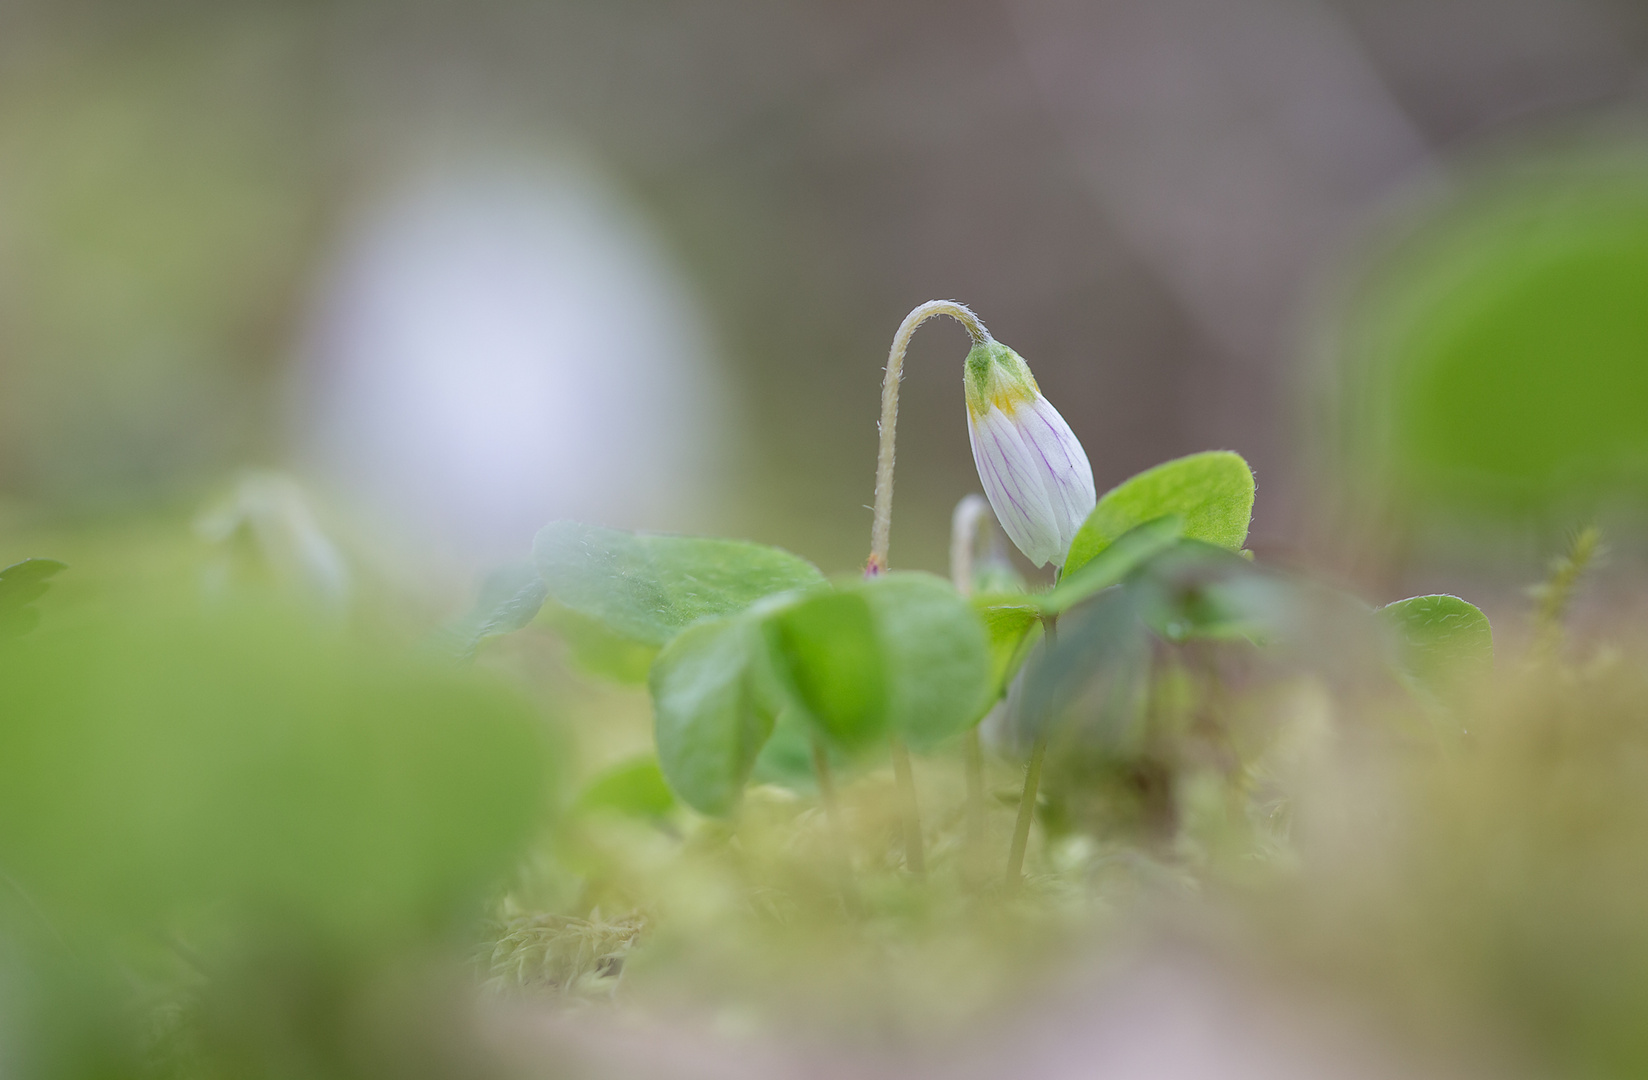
{"x":158,"y":208}
{"x":649,"y":588}
{"x":1495,"y":354}
{"x":933,"y":653}
{"x":237,"y":830}
{"x":163,"y":764}
{"x":713,"y":706}
{"x":1508,"y":877}
{"x":20,"y":585}
{"x":636,"y":787}
{"x":510,"y":598}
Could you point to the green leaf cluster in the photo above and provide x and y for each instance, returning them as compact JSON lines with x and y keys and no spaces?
{"x":755,"y":662}
{"x":747,"y":634}
{"x":1205,"y":497}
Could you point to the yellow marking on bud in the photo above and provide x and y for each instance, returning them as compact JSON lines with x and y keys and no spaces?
{"x":1008,"y":397}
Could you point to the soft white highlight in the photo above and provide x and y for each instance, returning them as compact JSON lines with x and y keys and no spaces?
{"x":498,"y":346}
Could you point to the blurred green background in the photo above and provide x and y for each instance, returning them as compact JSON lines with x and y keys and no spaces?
{"x":282,"y":235}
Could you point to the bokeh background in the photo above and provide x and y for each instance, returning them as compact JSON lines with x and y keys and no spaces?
{"x":464,"y":268}
{"x":355,"y":295}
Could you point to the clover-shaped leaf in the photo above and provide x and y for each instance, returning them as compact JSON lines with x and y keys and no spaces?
{"x":711,"y":711}
{"x":1440,"y":637}
{"x":901,"y":654}
{"x":1212,"y":492}
{"x":648,"y":588}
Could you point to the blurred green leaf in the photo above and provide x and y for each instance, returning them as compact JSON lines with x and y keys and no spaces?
{"x":1211,"y":491}
{"x":649,"y":588}
{"x":597,"y":650}
{"x":900,"y":653}
{"x":710,"y":713}
{"x":1011,"y":619}
{"x":1495,"y":356}
{"x":166,"y":763}
{"x":636,"y":788}
{"x":1114,"y":563}
{"x":787,"y":757}
{"x":1199,"y":591}
{"x":1441,"y":637}
{"x":830,"y":649}
{"x":509,"y":600}
{"x":20,"y":585}
{"x":1086,"y":679}
{"x":1012,"y":627}
{"x":937,"y":656}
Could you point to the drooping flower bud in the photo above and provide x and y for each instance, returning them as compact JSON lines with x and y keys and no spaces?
{"x":1035,"y":473}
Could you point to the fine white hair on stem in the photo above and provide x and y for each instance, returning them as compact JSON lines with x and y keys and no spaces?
{"x":882,"y":527}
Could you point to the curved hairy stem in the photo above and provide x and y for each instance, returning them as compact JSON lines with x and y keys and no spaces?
{"x":882,"y":528}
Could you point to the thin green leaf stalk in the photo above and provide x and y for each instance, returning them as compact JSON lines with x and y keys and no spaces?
{"x":1032,"y":782}
{"x":914,"y":858}
{"x":1027,"y":812}
{"x":838,"y":834}
{"x":881,"y":528}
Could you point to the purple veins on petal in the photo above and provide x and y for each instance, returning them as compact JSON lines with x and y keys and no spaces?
{"x":1070,"y":487}
{"x":1024,"y":482}
{"x":1012,"y":514}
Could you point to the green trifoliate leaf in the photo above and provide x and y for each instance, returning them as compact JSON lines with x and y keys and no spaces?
{"x":830,"y":648}
{"x":901,"y":654}
{"x":1211,"y":491}
{"x":711,"y":711}
{"x":937,"y":656}
{"x":648,"y":588}
{"x":1440,"y":638}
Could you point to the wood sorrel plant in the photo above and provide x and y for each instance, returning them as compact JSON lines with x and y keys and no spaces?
{"x":760,"y":667}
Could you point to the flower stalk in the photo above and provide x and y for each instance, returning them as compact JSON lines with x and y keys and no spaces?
{"x":881,"y":529}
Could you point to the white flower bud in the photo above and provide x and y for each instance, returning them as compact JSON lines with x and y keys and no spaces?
{"x":1035,"y":473}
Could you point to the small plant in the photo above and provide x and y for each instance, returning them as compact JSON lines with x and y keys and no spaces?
{"x":763,"y":664}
